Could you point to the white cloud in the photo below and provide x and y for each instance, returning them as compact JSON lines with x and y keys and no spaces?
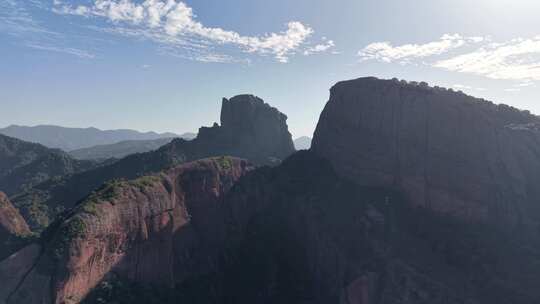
{"x":173,"y":22}
{"x":320,"y":48}
{"x":386,"y":52}
{"x":518,"y":59}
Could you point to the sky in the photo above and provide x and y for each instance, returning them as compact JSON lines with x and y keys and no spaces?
{"x":165,"y":65}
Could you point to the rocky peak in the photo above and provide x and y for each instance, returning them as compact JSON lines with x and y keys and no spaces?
{"x":243,"y":112}
{"x":445,"y":150}
{"x":250,"y":128}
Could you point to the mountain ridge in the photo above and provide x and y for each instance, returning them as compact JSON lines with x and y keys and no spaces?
{"x":120,"y":149}
{"x":260,"y":135}
{"x":24,"y":164}
{"x":409,"y":194}
{"x":69,"y":139}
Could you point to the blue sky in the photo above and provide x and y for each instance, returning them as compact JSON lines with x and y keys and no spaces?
{"x":164,"y":65}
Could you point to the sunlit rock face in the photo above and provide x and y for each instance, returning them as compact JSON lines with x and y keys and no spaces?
{"x":11,"y":221}
{"x":13,"y":227}
{"x":156,"y":230}
{"x":250,"y":129}
{"x":446,"y":151}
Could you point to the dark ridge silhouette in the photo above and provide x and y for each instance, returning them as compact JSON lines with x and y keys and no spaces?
{"x":250,"y":129}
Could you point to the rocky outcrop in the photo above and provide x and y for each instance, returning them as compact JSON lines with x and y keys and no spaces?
{"x":295,"y":233}
{"x":250,"y":129}
{"x":256,"y":129}
{"x":12,"y":227}
{"x":305,"y":231}
{"x":149,"y":230}
{"x":447,"y":151}
{"x":11,"y":221}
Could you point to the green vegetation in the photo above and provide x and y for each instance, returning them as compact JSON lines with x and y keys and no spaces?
{"x":145,"y":182}
{"x":39,"y":213}
{"x":224,"y":162}
{"x":74,"y":228}
{"x":113,"y":189}
{"x":90,"y":208}
{"x":107,"y":192}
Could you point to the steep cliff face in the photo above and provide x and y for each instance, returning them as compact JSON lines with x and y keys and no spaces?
{"x":11,"y":221}
{"x":387,"y":218}
{"x":296,"y":233}
{"x":150,"y":230}
{"x":446,"y":151}
{"x":256,"y":126}
{"x":250,"y":129}
{"x":12,"y":227}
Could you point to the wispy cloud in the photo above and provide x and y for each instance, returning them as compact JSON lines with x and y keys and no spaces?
{"x":66,"y":50}
{"x":173,"y":23}
{"x":17,"y":21}
{"x":386,"y":52}
{"x":518,"y":59}
{"x":320,"y":48}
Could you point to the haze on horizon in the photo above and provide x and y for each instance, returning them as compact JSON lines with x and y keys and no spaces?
{"x":163,"y":66}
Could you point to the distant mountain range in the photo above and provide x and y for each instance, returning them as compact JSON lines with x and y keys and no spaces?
{"x":302,"y":143}
{"x":250,"y":129}
{"x":69,"y":139}
{"x":122,"y":149}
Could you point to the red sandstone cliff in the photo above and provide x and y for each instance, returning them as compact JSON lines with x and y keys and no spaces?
{"x":13,"y":227}
{"x":11,"y":221}
{"x":447,"y":151}
{"x":144,"y":230}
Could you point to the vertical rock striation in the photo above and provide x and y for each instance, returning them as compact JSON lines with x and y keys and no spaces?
{"x":13,"y":227}
{"x":11,"y":221}
{"x":446,"y":151}
{"x":155,"y":230}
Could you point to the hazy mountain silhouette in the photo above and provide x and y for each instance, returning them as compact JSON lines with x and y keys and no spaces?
{"x":120,"y":149}
{"x":69,"y":139}
{"x":302,"y":143}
